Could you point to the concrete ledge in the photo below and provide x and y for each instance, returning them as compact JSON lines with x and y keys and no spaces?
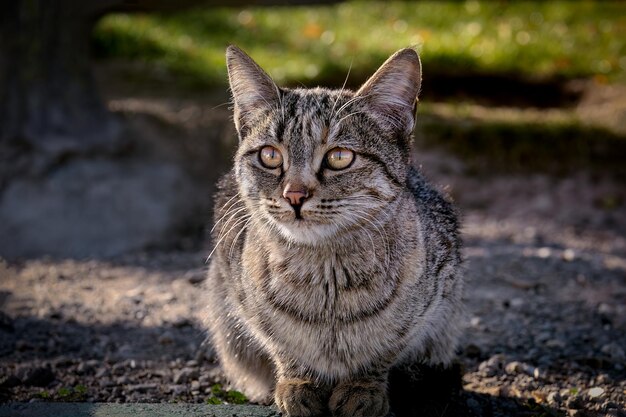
{"x":133,"y":410}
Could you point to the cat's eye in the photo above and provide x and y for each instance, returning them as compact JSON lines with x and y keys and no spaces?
{"x":339,"y":158}
{"x":270,"y":157}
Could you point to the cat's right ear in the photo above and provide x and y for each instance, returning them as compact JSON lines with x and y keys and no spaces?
{"x":252,"y":89}
{"x":392,"y":91}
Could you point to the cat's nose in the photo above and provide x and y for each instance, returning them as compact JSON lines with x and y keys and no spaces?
{"x":295,"y":194}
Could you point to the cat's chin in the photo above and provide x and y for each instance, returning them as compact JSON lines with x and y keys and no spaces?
{"x":307,"y":232}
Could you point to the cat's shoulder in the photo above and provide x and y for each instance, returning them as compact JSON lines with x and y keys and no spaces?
{"x":431,"y":204}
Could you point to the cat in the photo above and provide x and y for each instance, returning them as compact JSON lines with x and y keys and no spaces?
{"x":334,"y":264}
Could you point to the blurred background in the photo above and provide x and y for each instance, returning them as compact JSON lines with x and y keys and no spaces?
{"x":115,"y":125}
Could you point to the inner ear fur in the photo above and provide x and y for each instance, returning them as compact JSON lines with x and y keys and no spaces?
{"x":391,"y":93}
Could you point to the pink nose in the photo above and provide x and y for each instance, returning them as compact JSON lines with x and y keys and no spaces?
{"x":295,"y":194}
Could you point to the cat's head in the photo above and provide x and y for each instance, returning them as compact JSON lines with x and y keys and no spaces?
{"x":315,"y":163}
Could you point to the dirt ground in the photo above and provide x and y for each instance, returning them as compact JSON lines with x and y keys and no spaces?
{"x":545,"y":262}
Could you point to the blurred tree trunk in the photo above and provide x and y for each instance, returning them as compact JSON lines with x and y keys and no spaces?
{"x":48,"y":99}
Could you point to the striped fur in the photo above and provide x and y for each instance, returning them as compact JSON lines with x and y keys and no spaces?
{"x":317,"y":311}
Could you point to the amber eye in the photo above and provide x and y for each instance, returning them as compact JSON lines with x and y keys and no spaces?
{"x":339,"y":158}
{"x":270,"y":157}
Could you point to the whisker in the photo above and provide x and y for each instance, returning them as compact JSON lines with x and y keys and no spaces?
{"x":232,"y":245}
{"x":229,"y":212}
{"x":351,"y":114}
{"x":332,"y":111}
{"x":239,"y":221}
{"x":366,"y":232}
{"x":375,"y":223}
{"x":349,"y":102}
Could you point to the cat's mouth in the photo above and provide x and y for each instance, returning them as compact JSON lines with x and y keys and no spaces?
{"x":297,"y":208}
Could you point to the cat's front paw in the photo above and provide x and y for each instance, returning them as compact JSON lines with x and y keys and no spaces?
{"x":301,"y":398}
{"x":360,"y":399}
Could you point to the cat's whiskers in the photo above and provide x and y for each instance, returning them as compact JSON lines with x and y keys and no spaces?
{"x":280,"y":102}
{"x":232,"y":211}
{"x":229,"y":200}
{"x":232,"y":245}
{"x":238,"y":222}
{"x":332,"y":111}
{"x":358,"y":206}
{"x":221,"y":105}
{"x":228,"y":212}
{"x":374,"y":222}
{"x":349,"y":102}
{"x":344,"y":215}
{"x":351,"y":114}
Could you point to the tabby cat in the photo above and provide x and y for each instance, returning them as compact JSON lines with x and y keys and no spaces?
{"x":335,"y":263}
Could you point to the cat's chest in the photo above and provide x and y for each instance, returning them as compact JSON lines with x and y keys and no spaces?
{"x":322,"y":286}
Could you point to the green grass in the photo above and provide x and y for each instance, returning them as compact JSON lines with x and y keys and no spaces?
{"x":220,"y":396}
{"x":77,"y":393}
{"x":551,"y":39}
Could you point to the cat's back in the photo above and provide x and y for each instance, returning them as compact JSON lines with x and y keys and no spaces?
{"x":440,"y":228}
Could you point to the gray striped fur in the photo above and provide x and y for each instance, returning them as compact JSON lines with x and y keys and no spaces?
{"x":315,"y":312}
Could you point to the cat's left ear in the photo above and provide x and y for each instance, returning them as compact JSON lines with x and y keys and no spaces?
{"x":391,"y":93}
{"x":253,"y":90}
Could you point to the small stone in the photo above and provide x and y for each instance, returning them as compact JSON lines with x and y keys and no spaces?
{"x":554,"y":398}
{"x":609,"y":405}
{"x":185,"y":375}
{"x":166,"y":338}
{"x":604,"y":379}
{"x":492,"y":366}
{"x":105,"y":383}
{"x":574,"y":403}
{"x":569,"y":255}
{"x":119,"y":368}
{"x":513,"y":368}
{"x":195,"y":385}
{"x":538,"y":373}
{"x":177,"y":389}
{"x":517,"y":302}
{"x":123,"y":380}
{"x":595,"y":392}
{"x":605,"y":308}
{"x":555,"y":343}
{"x":544,"y":253}
{"x":142,"y":387}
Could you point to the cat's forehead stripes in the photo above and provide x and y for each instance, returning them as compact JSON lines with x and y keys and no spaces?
{"x":306,"y":123}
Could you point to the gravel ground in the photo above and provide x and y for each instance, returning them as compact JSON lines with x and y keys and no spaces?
{"x":546,"y":301}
